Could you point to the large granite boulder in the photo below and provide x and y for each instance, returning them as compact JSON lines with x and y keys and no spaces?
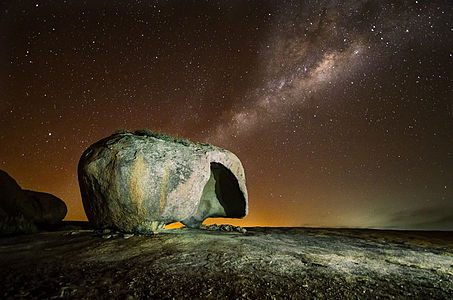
{"x":21,"y":210}
{"x":141,"y":181}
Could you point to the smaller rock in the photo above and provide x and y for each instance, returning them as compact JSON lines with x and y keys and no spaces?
{"x":228,"y":228}
{"x":223,"y":227}
{"x":127,"y":235}
{"x":106,"y":236}
{"x":241,"y":229}
{"x":213,"y":227}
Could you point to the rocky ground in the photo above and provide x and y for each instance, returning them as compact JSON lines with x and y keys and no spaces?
{"x":228,"y":262}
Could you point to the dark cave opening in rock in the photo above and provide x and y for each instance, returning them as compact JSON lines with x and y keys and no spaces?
{"x":228,"y":191}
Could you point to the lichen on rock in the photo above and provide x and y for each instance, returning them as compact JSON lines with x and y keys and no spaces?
{"x":140,"y":181}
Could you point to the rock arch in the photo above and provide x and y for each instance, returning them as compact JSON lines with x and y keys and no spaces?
{"x":221,"y":197}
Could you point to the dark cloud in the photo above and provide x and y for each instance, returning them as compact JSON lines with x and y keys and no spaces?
{"x":427,"y":218}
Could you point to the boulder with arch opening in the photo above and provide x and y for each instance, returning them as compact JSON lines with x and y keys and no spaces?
{"x":141,"y":181}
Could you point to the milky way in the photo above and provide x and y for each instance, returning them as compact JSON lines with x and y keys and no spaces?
{"x":310,"y":52}
{"x":341,"y":111}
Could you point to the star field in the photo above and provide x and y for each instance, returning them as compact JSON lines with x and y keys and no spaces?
{"x":341,"y":111}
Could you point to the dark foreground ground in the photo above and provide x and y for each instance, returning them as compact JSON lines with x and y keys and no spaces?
{"x":262,"y":263}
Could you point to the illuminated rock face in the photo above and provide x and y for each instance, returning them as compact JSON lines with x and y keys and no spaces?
{"x":141,"y":181}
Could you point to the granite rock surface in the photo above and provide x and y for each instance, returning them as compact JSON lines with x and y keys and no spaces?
{"x":141,"y":181}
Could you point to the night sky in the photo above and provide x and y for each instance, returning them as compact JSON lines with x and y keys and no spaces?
{"x":341,"y":111}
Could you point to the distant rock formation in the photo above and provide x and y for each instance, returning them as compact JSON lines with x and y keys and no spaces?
{"x":14,"y":202}
{"x":141,"y":181}
{"x":49,"y":209}
{"x":21,"y":209}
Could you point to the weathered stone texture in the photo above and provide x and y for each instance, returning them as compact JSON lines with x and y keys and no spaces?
{"x":142,"y":181}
